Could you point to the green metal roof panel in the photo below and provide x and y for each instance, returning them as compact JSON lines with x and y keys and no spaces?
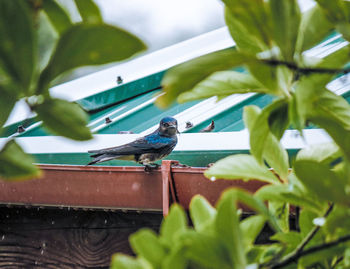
{"x":121,"y":93}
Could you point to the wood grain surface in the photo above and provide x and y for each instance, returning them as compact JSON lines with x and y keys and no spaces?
{"x":66,"y":238}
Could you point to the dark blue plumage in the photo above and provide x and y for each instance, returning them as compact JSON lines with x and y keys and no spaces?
{"x":145,"y":150}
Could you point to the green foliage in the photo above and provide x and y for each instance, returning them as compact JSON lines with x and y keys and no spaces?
{"x":17,"y":46}
{"x":271,"y":39}
{"x":215,"y":242}
{"x":16,"y":164}
{"x":26,"y":72}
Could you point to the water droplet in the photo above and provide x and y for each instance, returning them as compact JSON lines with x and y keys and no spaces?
{"x":105,"y":221}
{"x":36,"y":262}
{"x":98,"y":190}
{"x":135,"y":186}
{"x":53,"y":222}
{"x":213,"y":179}
{"x":3,"y":237}
{"x":7,"y":216}
{"x":319,"y":221}
{"x":42,"y":252}
{"x":44,"y":245}
{"x":67,"y":188}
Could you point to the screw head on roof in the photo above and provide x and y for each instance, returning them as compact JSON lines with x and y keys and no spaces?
{"x":108,"y":120}
{"x":119,"y":80}
{"x":20,"y":129}
{"x":189,"y":124}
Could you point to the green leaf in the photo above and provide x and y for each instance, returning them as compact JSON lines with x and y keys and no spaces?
{"x":307,"y":92}
{"x":293,"y":114}
{"x":255,"y":204}
{"x":228,"y":230}
{"x":222,"y":84}
{"x":281,"y":211}
{"x":251,"y":228}
{"x":121,"y":261}
{"x":288,"y":194}
{"x":340,"y":135}
{"x":57,"y":16}
{"x":310,"y":90}
{"x":260,"y":132}
{"x":146,"y":244}
{"x":177,"y":258}
{"x":17,"y":46}
{"x":290,"y":239}
{"x":323,"y":182}
{"x":64,"y":118}
{"x":279,"y":120}
{"x":253,"y":17}
{"x":285,"y":24}
{"x":172,"y":225}
{"x":205,"y":250}
{"x":8,"y":99}
{"x":338,"y":222}
{"x":323,"y":153}
{"x":245,"y":41}
{"x":314,"y":27}
{"x":184,"y":77}
{"x":267,"y":75}
{"x":15,"y":164}
{"x":202,"y":213}
{"x":335,"y":10}
{"x":334,"y":107}
{"x":262,"y":143}
{"x":87,"y":44}
{"x":240,"y":166}
{"x":337,"y":59}
{"x":89,"y":11}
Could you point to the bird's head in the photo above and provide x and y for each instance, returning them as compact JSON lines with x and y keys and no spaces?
{"x":168,"y":126}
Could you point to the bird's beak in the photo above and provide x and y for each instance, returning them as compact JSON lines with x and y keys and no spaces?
{"x":174,"y":126}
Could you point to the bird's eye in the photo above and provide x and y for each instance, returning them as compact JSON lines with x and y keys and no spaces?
{"x":165,"y":124}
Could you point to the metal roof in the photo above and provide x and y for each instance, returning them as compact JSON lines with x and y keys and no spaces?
{"x":130,"y":107}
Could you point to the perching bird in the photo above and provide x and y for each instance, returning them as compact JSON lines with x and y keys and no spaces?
{"x":145,"y":150}
{"x":209,"y":128}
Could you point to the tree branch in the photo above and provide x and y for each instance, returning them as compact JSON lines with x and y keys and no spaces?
{"x":306,"y":70}
{"x":310,"y":250}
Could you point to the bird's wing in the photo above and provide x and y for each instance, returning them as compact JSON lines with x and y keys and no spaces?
{"x":147,"y":144}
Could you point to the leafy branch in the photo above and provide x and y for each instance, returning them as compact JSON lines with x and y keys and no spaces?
{"x":299,"y":251}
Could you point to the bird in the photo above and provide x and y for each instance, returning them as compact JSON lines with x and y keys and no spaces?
{"x":145,"y":150}
{"x":209,"y":128}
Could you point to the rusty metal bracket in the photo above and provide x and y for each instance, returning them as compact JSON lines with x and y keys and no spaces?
{"x":167,"y":183}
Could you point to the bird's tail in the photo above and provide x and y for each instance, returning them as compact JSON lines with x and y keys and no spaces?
{"x":101,"y":158}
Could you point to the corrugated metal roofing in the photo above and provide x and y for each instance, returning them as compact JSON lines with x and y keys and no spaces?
{"x":130,"y":105}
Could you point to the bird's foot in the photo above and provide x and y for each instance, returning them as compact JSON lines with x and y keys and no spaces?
{"x":151,"y":167}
